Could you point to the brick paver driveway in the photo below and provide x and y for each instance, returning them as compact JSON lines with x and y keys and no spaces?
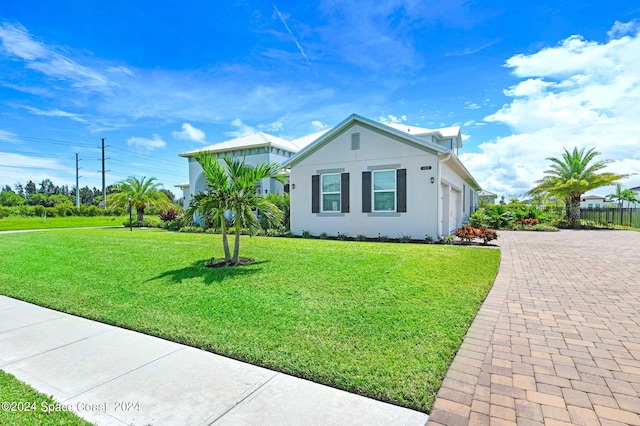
{"x":558,"y":339}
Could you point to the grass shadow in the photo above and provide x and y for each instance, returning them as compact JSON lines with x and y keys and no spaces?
{"x":209,"y":275}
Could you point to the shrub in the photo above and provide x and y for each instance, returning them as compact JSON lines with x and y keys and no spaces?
{"x":405,"y":238}
{"x":447,"y":239}
{"x":306,"y":234}
{"x":148,"y":222}
{"x":541,"y":227}
{"x":168,"y":215}
{"x":323,"y":236}
{"x":468,"y":233}
{"x":343,"y":237}
{"x":4,"y":212}
{"x":428,"y":239}
{"x":383,"y":238}
{"x":361,"y":237}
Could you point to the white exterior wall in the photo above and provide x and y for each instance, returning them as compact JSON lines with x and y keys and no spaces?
{"x":456,"y":199}
{"x":376,"y":150}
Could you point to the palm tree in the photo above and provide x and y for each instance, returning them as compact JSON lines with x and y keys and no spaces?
{"x":573,"y":175}
{"x":143,"y":192}
{"x":232,"y":189}
{"x":618,"y":195}
{"x":629,"y":196}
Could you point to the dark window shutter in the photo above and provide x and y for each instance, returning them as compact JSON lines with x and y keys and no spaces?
{"x":366,"y":192}
{"x":315,"y":194}
{"x":401,"y":194}
{"x":344,"y":193}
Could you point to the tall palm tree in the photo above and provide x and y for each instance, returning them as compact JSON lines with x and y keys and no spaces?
{"x":231,"y":188}
{"x":143,"y":192}
{"x":573,"y":175}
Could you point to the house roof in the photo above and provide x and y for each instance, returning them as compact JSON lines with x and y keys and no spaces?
{"x":398,"y":131}
{"x":182,"y":185}
{"x":254,"y":140}
{"x":485,"y":193}
{"x":444,"y":132}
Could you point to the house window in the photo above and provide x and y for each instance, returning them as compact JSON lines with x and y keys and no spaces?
{"x":330,"y":192}
{"x":590,"y":205}
{"x":384,"y":190}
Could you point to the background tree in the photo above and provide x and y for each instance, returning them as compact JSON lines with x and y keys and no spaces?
{"x":144,"y":193}
{"x":572,"y":175}
{"x":630,"y":197}
{"x":618,"y":195}
{"x":11,"y":199}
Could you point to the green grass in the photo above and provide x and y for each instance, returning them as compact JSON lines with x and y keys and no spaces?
{"x":379,"y":319}
{"x":21,"y":222}
{"x":27,"y":407}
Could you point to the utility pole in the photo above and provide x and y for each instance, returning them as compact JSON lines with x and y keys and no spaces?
{"x":104,"y":186}
{"x":77,"y":183}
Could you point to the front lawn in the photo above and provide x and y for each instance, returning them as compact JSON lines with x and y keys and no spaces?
{"x":23,"y":406}
{"x":379,"y":319}
{"x":22,"y":222}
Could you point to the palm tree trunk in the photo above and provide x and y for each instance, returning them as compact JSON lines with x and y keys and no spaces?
{"x":225,"y":241}
{"x":574,"y":212}
{"x":140,"y":219}
{"x":236,"y":247}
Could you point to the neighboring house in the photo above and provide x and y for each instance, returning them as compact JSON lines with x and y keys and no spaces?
{"x":254,"y":149}
{"x":367,"y":178}
{"x":637,"y":192}
{"x":487,"y":197}
{"x":596,"y":202}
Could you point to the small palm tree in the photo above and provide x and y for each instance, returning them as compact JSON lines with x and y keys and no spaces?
{"x":618,"y":195}
{"x":232,"y":189}
{"x":573,"y":175}
{"x":143,"y":192}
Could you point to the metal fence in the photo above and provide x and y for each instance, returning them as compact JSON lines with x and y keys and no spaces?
{"x":616,"y":216}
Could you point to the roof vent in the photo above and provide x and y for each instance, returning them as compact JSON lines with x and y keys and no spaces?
{"x":355,"y":141}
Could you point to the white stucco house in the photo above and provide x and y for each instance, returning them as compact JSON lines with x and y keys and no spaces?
{"x":367,"y":178}
{"x":254,"y":148}
{"x":590,"y":201}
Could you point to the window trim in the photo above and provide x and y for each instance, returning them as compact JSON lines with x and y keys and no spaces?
{"x":374,"y":190}
{"x":323,"y":193}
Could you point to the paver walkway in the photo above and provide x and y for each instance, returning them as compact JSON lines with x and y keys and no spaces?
{"x":557,"y":340}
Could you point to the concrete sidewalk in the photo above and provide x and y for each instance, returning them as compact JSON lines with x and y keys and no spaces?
{"x":557,"y":341}
{"x":112,"y":376}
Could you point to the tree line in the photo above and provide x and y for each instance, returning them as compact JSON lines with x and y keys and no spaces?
{"x":47,"y":194}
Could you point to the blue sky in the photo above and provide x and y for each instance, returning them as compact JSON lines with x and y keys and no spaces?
{"x":157,"y":79}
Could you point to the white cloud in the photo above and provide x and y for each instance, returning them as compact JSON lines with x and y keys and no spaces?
{"x":147,"y":144}
{"x":242,"y":129}
{"x":392,"y":119}
{"x":318,"y":125}
{"x":621,"y":29}
{"x":16,"y":168}
{"x":17,"y":42}
{"x":579,"y":93}
{"x":275,"y":126}
{"x":189,"y":133}
{"x":56,"y":113}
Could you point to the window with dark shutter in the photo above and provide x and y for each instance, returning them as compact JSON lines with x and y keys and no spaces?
{"x":366,"y":192}
{"x":401,"y":180}
{"x":315,"y":194}
{"x":344,"y":195}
